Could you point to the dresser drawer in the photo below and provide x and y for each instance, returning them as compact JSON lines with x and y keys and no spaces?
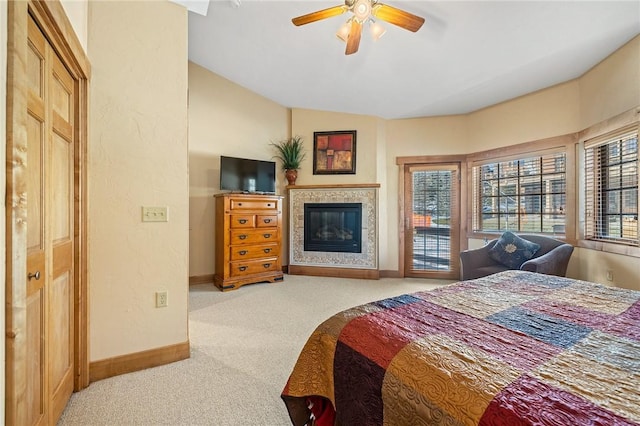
{"x":253,"y":204}
{"x":254,"y":236}
{"x":268,"y":221}
{"x":253,"y":267}
{"x":243,"y":221}
{"x":254,"y":252}
{"x":248,"y":239}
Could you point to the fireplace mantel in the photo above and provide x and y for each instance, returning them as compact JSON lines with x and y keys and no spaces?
{"x":336,"y":186}
{"x":351,"y":265}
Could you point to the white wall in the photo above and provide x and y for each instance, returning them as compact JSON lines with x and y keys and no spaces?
{"x":3,"y":150}
{"x":137,"y":156}
{"x":77,"y":12}
{"x":546,"y":113}
{"x":608,"y":89}
{"x":413,"y":137}
{"x":613,"y":86}
{"x":224,"y":119}
{"x":304,"y":122}
{"x":370,"y":154}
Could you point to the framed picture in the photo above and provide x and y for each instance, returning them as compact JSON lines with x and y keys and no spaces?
{"x":334,"y":152}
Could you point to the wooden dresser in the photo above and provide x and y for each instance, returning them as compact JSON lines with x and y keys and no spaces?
{"x":248,"y":239}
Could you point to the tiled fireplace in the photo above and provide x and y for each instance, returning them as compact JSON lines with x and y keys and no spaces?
{"x":333,"y":227}
{"x":341,"y":230}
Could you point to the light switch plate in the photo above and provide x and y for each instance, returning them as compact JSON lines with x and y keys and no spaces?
{"x":154,"y":214}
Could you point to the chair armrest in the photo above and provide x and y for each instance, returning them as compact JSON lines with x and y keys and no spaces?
{"x":472,"y":259}
{"x":552,"y":263}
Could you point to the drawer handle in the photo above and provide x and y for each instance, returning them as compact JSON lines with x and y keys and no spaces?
{"x":267,"y":220}
{"x":239,"y":204}
{"x":242,"y":252}
{"x":269,"y":205}
{"x":242,"y":268}
{"x":267,"y":250}
{"x":266,"y":265}
{"x":242,"y":237}
{"x":242,"y":221}
{"x":267,"y":235}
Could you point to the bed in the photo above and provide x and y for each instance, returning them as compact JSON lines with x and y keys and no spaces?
{"x":513,"y":348}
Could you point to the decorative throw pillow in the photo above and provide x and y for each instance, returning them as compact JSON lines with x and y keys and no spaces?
{"x":512,"y":251}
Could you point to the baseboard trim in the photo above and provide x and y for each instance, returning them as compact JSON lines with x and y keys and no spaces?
{"x":317,"y":271}
{"x":208,"y":279}
{"x":201,"y":279}
{"x":129,"y":363}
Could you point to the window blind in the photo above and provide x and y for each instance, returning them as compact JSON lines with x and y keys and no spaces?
{"x":521,"y":194}
{"x":611,"y":188}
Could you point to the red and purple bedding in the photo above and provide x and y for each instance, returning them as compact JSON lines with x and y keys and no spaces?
{"x":514,"y":348}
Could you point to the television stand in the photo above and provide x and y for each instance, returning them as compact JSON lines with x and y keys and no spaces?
{"x":248,"y":239}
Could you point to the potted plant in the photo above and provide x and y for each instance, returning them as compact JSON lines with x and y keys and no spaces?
{"x":290,"y":153}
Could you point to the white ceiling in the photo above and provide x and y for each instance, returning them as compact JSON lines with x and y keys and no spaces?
{"x":468,"y":54}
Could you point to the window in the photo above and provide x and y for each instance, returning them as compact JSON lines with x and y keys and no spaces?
{"x":611,"y":188}
{"x":527,"y":194}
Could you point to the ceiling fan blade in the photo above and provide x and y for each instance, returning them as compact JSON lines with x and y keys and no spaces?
{"x":353,"y":42}
{"x":398,"y":17}
{"x":320,"y":14}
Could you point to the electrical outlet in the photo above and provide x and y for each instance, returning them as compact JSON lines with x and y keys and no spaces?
{"x":162,"y":299}
{"x":609,"y":275}
{"x":154,"y":214}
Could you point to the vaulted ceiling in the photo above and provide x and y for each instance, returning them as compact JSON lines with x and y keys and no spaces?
{"x":468,"y":54}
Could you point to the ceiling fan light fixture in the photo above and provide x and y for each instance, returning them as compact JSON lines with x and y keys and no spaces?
{"x":362,"y":10}
{"x":344,"y":30}
{"x":377,"y":30}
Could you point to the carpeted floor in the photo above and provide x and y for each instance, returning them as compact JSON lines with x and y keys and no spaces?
{"x":243,"y":346}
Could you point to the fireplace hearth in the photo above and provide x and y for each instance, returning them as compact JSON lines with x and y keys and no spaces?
{"x":333,"y":227}
{"x":362,"y":263}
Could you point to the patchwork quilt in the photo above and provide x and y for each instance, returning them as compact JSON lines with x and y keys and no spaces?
{"x":514,"y":348}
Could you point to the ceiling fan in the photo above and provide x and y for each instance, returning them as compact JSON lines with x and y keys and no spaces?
{"x":363,"y":11}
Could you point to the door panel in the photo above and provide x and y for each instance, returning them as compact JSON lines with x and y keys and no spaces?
{"x":60,"y":187}
{"x":50,"y":173}
{"x":46,"y":279}
{"x":35,"y":357}
{"x":432,"y":221}
{"x":34,"y":65}
{"x":60,"y":90}
{"x":35,"y":143}
{"x":36,"y":245}
{"x":59,"y":355}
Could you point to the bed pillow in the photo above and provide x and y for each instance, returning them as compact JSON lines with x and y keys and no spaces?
{"x":512,"y":251}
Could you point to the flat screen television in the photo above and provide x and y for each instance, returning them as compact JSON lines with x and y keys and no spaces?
{"x":246,"y":175}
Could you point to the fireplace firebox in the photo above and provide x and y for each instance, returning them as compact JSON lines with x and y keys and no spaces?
{"x":333,"y":227}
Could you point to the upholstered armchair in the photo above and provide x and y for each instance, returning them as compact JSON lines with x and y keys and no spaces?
{"x":551,"y":258}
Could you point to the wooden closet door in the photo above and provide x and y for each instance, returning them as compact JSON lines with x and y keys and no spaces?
{"x":50,"y":169}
